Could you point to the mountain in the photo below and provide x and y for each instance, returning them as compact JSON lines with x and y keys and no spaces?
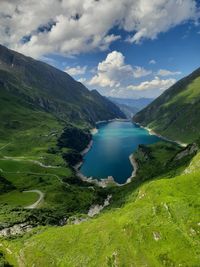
{"x":45,"y":119}
{"x":138,"y":103}
{"x":48,"y":89}
{"x":175,"y":114}
{"x":130,"y":106}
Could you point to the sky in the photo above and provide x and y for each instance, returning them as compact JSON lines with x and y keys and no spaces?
{"x":122,"y":48}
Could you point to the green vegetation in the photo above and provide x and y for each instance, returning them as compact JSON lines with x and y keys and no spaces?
{"x":157,"y":226}
{"x":19,"y":198}
{"x":3,"y":262}
{"x":175,"y":114}
{"x":156,"y":223}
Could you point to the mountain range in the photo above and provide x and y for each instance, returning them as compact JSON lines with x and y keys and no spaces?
{"x":130,"y":106}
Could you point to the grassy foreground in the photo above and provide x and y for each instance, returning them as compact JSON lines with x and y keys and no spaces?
{"x":158,"y":226}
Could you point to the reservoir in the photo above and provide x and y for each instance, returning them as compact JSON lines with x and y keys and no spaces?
{"x":112,"y":146}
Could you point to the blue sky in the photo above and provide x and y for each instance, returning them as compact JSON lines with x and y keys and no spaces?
{"x":132,"y":49}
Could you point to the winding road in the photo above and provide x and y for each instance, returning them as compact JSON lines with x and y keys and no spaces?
{"x":41,"y":197}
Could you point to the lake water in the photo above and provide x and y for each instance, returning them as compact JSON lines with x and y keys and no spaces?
{"x":112,"y":145}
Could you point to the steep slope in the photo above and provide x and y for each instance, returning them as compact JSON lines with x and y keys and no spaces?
{"x":52,"y":90}
{"x":175,"y":114}
{"x":158,"y":226}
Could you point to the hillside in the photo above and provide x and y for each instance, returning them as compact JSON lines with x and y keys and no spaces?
{"x":175,"y":114}
{"x":40,"y":108}
{"x":45,"y":87}
{"x":158,"y":225}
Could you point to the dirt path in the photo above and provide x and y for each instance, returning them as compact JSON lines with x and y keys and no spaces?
{"x":41,"y":197}
{"x":37,"y":173}
{"x":29,"y":160}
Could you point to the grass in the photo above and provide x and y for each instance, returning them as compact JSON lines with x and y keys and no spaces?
{"x":16,"y":198}
{"x":157,"y":223}
{"x":160,"y":227}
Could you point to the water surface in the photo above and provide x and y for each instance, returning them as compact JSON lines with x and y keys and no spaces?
{"x":112,"y":145}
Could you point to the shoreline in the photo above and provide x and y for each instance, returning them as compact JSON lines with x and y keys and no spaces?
{"x":104,"y":182}
{"x":152,"y":132}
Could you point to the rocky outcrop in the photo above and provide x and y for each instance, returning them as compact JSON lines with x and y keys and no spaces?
{"x":17,"y":229}
{"x":189,"y":150}
{"x":96,"y":209}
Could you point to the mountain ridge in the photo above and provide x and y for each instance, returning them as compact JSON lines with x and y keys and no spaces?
{"x":52,"y":89}
{"x":174,"y":114}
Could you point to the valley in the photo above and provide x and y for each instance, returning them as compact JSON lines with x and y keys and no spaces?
{"x":45,"y":208}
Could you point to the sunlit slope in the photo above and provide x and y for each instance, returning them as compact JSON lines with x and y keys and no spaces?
{"x":158,"y":226}
{"x":175,"y":114}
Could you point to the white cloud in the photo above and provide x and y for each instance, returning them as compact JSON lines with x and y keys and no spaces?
{"x":74,"y":71}
{"x":148,"y":18}
{"x":113,"y":70}
{"x":152,"y":62}
{"x":156,"y":83}
{"x":140,"y":72}
{"x":71,"y":27}
{"x":163,"y":72}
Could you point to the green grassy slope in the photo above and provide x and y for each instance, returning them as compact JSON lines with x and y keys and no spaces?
{"x":158,"y":226}
{"x":175,"y":114}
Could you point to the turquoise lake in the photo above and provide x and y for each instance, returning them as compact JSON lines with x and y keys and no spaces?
{"x":112,"y":146}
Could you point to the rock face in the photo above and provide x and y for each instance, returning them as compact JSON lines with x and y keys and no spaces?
{"x":96,"y":209}
{"x":175,"y":114}
{"x":189,"y":150}
{"x":47,"y":88}
{"x":16,"y":229}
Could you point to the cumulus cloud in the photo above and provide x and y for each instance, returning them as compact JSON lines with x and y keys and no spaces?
{"x":74,"y":71}
{"x":74,"y":26}
{"x":152,"y":62}
{"x":152,"y":17}
{"x":156,"y":83}
{"x":140,"y":72}
{"x":113,"y":70}
{"x":163,"y":72}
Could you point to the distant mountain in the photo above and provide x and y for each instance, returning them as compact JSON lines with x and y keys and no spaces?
{"x":176,"y":113}
{"x":46,"y":88}
{"x":130,"y":106}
